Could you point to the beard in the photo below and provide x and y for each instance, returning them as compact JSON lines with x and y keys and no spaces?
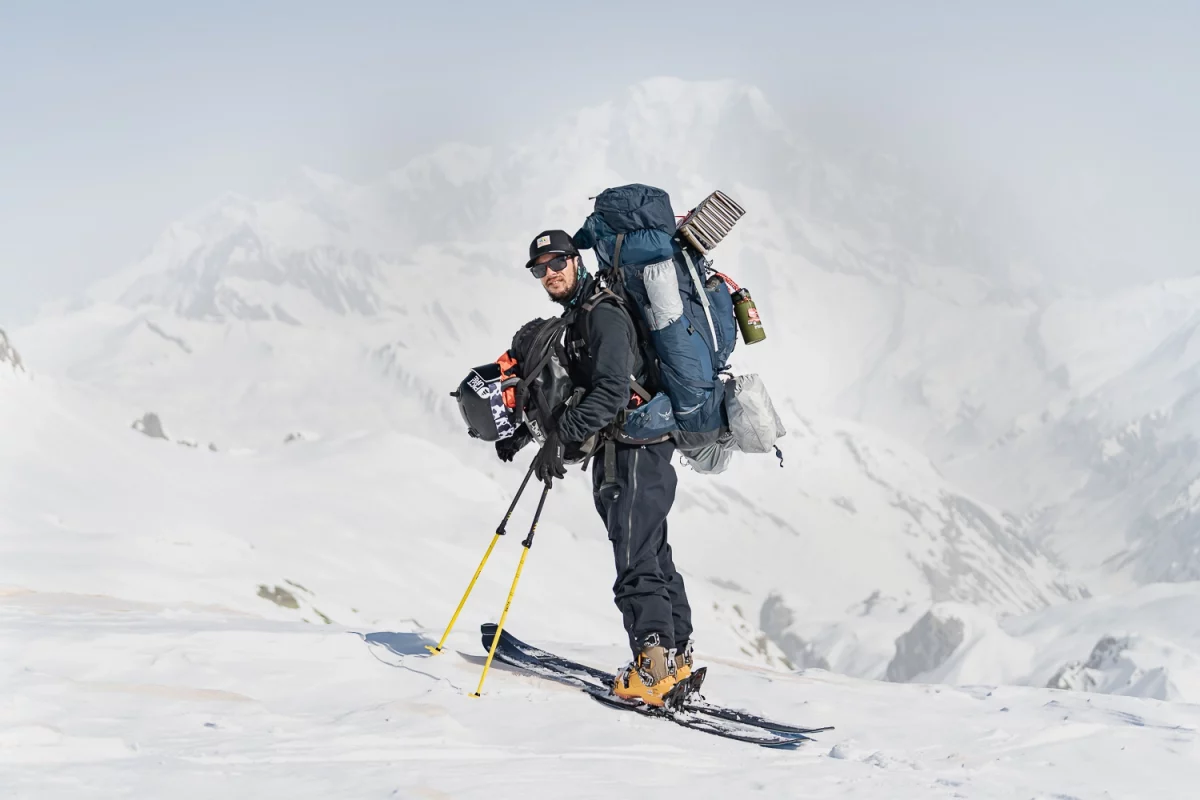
{"x":562,"y":289}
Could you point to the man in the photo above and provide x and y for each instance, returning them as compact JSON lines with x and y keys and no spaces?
{"x":603,"y":356}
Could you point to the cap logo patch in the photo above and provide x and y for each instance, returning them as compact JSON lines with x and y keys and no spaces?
{"x":542,"y":241}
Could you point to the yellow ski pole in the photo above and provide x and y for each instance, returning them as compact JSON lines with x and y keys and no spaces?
{"x":520,"y":564}
{"x":499,"y":532}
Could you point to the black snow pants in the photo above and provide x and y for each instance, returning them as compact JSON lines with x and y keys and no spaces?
{"x":648,"y":589}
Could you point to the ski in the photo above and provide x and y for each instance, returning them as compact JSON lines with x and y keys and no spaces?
{"x":534,"y":659}
{"x":690,"y":719}
{"x":600,"y":692}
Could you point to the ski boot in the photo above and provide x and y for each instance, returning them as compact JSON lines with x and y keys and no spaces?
{"x":649,"y":677}
{"x":683,"y":663}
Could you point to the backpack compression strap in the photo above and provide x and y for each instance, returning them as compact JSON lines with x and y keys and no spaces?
{"x":703,"y":295}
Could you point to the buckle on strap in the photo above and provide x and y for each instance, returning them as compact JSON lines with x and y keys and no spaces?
{"x":639,"y":390}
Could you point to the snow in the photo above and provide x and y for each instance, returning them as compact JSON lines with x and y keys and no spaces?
{"x":984,"y":485}
{"x":198,"y":622}
{"x":108,"y":698}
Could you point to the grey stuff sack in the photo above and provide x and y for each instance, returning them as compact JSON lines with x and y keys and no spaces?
{"x":752,"y":418}
{"x":708,"y":453}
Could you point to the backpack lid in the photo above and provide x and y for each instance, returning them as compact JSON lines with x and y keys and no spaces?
{"x":636,"y":206}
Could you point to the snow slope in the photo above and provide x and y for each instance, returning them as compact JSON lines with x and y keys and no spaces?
{"x":849,"y":515}
{"x":177,"y":620}
{"x":109,"y":697}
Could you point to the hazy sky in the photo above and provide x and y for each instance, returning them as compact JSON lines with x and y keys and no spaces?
{"x":116,"y":118}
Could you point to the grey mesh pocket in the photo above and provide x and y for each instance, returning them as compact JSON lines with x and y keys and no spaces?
{"x":662,"y":288}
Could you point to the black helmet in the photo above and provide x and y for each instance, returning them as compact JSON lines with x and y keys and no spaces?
{"x":481,"y":403}
{"x":531,"y":387}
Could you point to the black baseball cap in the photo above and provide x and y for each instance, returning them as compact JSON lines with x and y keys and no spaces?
{"x":551,"y":242}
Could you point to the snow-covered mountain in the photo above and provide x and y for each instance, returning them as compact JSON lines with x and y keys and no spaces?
{"x":337,"y":310}
{"x":178,"y":620}
{"x":238,"y":458}
{"x":831,"y":245}
{"x":1084,"y":425}
{"x":803,"y":530}
{"x":1141,"y":644}
{"x":255,"y":319}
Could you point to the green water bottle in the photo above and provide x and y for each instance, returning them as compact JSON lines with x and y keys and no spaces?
{"x":747,"y":317}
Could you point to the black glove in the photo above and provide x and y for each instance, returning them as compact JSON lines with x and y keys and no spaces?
{"x":507,"y":449}
{"x":548,"y":463}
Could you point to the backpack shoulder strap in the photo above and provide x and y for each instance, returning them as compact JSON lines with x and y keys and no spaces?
{"x":601,"y":295}
{"x":581,"y":314}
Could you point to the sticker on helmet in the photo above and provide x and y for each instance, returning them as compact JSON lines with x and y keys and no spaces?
{"x":479,"y":386}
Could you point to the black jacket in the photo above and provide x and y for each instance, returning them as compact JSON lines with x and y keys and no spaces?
{"x":607,"y":355}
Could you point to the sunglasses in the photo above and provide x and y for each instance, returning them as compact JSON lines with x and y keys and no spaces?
{"x":558,"y":264}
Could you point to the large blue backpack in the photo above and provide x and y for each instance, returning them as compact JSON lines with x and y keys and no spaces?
{"x":680,"y":305}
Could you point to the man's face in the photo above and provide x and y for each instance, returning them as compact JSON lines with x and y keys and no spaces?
{"x":559,"y":284}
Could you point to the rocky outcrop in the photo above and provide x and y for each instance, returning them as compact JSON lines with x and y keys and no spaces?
{"x":1133,"y":665}
{"x":278,"y":595}
{"x":9,"y":355}
{"x":150,"y":425}
{"x":925,"y":646}
{"x":775,"y":618}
